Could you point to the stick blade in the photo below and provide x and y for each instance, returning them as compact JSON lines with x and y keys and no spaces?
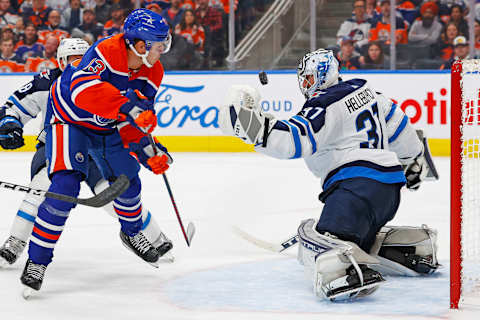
{"x":258,"y":242}
{"x":119,"y":186}
{"x":190,"y":232}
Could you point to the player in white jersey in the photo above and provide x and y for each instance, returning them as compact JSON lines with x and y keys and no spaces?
{"x":22,"y":106}
{"x":355,"y":140}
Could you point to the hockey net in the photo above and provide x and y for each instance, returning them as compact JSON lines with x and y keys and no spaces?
{"x":465,"y":184}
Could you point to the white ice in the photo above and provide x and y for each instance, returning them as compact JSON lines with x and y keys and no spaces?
{"x":221,"y":276}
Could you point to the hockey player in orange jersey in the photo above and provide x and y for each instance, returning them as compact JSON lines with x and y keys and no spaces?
{"x":103,"y":107}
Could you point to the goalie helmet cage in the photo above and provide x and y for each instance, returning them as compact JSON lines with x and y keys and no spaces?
{"x":465,"y":184}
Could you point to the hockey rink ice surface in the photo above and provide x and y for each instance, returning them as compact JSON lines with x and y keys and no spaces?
{"x":221,"y":276}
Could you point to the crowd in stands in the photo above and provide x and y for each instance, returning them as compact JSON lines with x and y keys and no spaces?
{"x":428,"y":34}
{"x":30,"y":30}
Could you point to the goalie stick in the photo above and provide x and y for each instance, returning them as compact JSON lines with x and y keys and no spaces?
{"x":188,"y":235}
{"x":278,"y":248}
{"x":109,"y":194}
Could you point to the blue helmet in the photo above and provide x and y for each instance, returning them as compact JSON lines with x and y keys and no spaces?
{"x":145,"y":25}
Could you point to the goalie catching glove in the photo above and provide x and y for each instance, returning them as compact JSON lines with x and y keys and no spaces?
{"x":241,"y":116}
{"x":138,"y":111}
{"x":156,"y":160}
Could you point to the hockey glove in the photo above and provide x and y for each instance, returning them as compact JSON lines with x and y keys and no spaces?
{"x":11,"y":133}
{"x":415,"y":173}
{"x":241,"y":116}
{"x":138,"y":111}
{"x":157,"y":160}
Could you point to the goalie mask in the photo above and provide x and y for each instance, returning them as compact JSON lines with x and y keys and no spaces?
{"x":317,"y":70}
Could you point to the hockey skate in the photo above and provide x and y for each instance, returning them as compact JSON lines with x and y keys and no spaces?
{"x":32,"y":278}
{"x":143,"y":248}
{"x":351,"y":286}
{"x":11,"y":250}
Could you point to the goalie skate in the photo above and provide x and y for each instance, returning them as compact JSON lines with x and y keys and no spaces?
{"x":32,"y":277}
{"x":143,"y":248}
{"x":350,"y":286}
{"x":11,"y":250}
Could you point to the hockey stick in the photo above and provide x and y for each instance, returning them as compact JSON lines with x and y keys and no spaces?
{"x":188,"y":235}
{"x":109,"y":194}
{"x":278,"y":248}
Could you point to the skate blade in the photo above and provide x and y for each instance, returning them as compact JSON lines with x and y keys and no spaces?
{"x":28,"y":292}
{"x":166,"y":258}
{"x":3,"y":263}
{"x":355,"y":293}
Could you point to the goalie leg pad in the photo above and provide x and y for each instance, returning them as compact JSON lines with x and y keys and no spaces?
{"x":339,"y":269}
{"x":406,"y":251}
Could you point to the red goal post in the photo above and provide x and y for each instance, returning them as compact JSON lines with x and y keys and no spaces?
{"x":465,"y":184}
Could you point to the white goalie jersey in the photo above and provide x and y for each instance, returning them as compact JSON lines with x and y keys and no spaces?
{"x":347,"y":130}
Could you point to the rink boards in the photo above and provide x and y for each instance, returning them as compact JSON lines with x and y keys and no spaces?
{"x":187,"y":104}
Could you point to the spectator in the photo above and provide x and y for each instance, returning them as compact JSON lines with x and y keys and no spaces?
{"x":188,"y":4}
{"x":456,"y":16}
{"x":37,"y":14}
{"x":59,"y":5}
{"x":191,"y":31}
{"x":174,"y":14}
{"x":8,"y":54}
{"x":88,"y":4}
{"x":48,"y":58}
{"x":53,"y":28}
{"x":9,"y":61}
{"x":444,"y":47}
{"x":163,"y":4}
{"x":19,"y":27}
{"x":348,"y":58}
{"x":426,"y":30}
{"x":72,"y":17}
{"x":371,"y":11}
{"x":374,"y":57}
{"x":357,"y":27}
{"x":460,"y":52}
{"x":103,"y":11}
{"x":380,"y":30}
{"x":477,"y":39}
{"x":8,"y":34}
{"x":115,"y":24}
{"x":89,"y":28}
{"x":155,"y":8}
{"x":408,"y":10}
{"x":6,"y":17}
{"x":211,"y":20}
{"x":29,"y":45}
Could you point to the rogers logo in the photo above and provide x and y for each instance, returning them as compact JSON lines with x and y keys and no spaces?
{"x":430,"y":107}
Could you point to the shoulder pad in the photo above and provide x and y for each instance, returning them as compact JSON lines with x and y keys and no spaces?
{"x":328,"y":96}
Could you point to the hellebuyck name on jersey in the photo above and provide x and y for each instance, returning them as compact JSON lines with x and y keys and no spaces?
{"x":359,"y":100}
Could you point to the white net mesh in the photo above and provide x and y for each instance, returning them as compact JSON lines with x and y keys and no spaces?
{"x":470,"y":236}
